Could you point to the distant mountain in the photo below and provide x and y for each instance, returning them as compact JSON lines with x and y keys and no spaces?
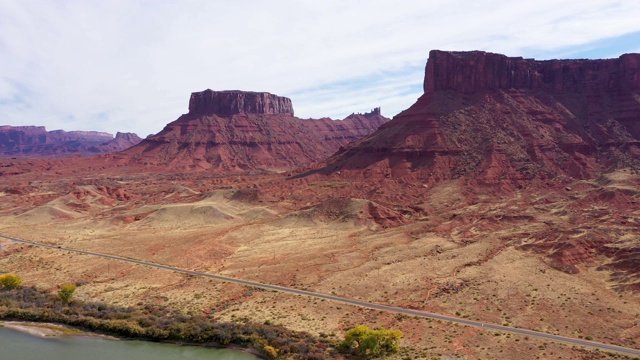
{"x":36,"y":141}
{"x":507,"y":120}
{"x":238,"y":131}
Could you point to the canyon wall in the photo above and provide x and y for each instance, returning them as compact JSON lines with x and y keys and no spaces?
{"x":478,"y":70}
{"x":507,"y":120}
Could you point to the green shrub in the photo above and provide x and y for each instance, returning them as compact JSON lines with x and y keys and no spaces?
{"x":66,"y":292}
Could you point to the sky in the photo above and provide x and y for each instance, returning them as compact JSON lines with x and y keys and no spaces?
{"x":130,"y":66}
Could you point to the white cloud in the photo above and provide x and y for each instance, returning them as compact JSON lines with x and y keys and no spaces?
{"x":130,"y":66}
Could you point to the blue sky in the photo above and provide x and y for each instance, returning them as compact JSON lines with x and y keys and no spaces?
{"x":131,"y":65}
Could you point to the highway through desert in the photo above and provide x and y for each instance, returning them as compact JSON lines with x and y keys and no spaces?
{"x":487,"y":326}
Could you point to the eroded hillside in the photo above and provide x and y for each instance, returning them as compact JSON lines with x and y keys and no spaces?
{"x":562,"y":259}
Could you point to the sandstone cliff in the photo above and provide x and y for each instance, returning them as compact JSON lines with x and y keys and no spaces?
{"x":501,"y":120}
{"x":478,"y":70}
{"x":36,"y":141}
{"x":235,"y":131}
{"x":225,"y":103}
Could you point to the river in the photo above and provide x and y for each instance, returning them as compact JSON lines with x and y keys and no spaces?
{"x":15,"y":345}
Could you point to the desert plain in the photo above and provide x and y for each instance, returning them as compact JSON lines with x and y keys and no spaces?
{"x":549,"y":258}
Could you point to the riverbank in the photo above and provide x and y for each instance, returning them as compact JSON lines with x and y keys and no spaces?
{"x":50,"y":329}
{"x":27,"y":306}
{"x":21,"y":345}
{"x":44,"y":329}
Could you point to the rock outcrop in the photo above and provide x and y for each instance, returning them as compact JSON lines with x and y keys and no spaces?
{"x":501,"y":120}
{"x":36,"y":141}
{"x":478,"y":70}
{"x":235,"y":131}
{"x":226,"y":103}
{"x":120,"y":142}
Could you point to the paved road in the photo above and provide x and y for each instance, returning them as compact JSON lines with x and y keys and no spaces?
{"x":513,"y":330}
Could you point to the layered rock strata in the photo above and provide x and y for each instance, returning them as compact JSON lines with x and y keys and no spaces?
{"x":236,"y":131}
{"x":478,"y":70}
{"x":502,"y":120}
{"x":225,"y":103}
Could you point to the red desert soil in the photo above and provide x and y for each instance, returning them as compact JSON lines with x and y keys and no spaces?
{"x":559,"y":259}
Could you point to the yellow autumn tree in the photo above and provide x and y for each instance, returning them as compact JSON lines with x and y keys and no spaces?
{"x":372,"y":342}
{"x":10,"y":281}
